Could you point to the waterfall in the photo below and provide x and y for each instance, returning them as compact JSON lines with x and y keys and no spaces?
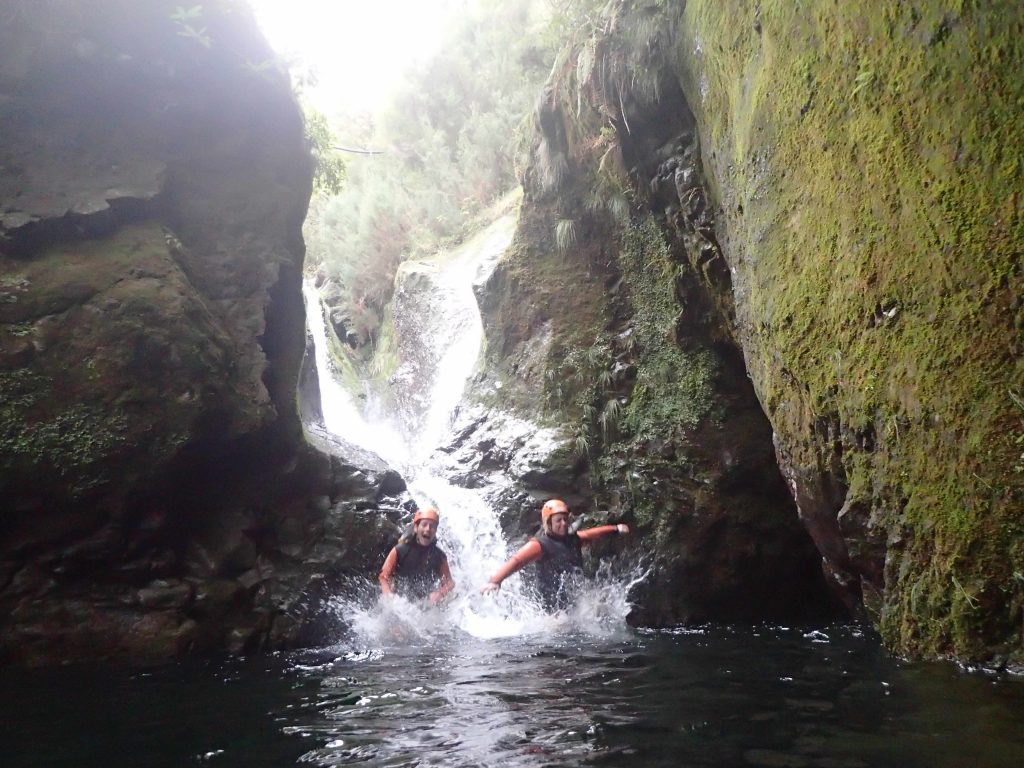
{"x":470,"y":532}
{"x":340,"y":415}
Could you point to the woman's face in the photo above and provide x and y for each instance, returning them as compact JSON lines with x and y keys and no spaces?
{"x":425,"y":530}
{"x":559,"y":524}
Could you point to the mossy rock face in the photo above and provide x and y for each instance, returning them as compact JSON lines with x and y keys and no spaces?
{"x":595,"y":324}
{"x":125,"y":365}
{"x":866,"y":165}
{"x":851,"y":224}
{"x":157,"y":495}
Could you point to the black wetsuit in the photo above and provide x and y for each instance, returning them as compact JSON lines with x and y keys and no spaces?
{"x":561,"y":564}
{"x":418,"y":568}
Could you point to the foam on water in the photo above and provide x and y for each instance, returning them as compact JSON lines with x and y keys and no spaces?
{"x":598,"y":610}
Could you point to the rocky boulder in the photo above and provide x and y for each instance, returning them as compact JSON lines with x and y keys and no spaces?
{"x":513,"y":461}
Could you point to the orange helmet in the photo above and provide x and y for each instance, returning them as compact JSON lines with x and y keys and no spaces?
{"x":426,"y":514}
{"x":553,"y":507}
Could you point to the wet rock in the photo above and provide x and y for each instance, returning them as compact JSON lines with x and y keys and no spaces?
{"x":158,"y":495}
{"x":856,"y":359}
{"x":216,"y":597}
{"x":519,"y":463}
{"x":163,"y":594}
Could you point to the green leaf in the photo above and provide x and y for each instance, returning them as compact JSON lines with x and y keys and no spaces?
{"x":184,"y":14}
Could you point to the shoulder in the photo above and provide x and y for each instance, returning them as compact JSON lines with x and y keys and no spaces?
{"x":541,"y":544}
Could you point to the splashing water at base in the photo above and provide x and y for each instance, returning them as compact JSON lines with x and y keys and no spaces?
{"x":471,"y":537}
{"x":598,"y":611}
{"x":396,"y":621}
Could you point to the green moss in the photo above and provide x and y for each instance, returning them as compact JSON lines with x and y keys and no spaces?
{"x":39,"y":430}
{"x":868,"y":168}
{"x":673,"y":390}
{"x":673,"y":387}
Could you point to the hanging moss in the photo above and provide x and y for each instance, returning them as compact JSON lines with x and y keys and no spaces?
{"x":674,"y":387}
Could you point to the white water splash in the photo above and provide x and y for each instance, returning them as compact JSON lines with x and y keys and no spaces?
{"x":599,"y":610}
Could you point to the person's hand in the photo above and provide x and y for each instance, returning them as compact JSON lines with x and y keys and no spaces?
{"x":489,"y":587}
{"x":623,"y":529}
{"x":435,"y":598}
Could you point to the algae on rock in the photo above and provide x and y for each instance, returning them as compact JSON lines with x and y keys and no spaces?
{"x":866,"y":165}
{"x":839,"y":191}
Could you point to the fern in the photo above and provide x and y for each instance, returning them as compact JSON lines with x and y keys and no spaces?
{"x":565,"y":235}
{"x":581,"y":443}
{"x":610,"y":417}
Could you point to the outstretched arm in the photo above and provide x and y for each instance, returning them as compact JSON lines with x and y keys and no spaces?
{"x":390,"y":563}
{"x":446,"y":585}
{"x":589,"y":534}
{"x":530,"y":552}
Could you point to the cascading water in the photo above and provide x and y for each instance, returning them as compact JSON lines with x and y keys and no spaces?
{"x":469,"y":532}
{"x":340,"y":415}
{"x":496,"y":681}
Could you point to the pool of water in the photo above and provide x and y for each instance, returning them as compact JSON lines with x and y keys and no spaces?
{"x":713,"y":696}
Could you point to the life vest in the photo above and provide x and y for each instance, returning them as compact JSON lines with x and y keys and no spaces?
{"x":418,"y":568}
{"x":559,"y":565}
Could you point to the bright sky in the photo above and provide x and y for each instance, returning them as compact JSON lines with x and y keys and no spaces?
{"x":357,"y":47}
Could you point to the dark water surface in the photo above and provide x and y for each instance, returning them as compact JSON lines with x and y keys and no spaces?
{"x":829,"y":698}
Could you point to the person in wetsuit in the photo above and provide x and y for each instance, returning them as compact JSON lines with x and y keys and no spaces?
{"x":557,"y":552}
{"x":416,"y":568}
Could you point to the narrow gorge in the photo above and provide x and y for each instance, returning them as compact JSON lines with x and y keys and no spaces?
{"x":763,"y":294}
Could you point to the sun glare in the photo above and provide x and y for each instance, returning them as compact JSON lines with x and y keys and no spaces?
{"x":358,"y":49}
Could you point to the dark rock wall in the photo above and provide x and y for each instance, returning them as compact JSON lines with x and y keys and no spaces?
{"x":156,"y":492}
{"x":596,"y":323}
{"x":837,"y":195}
